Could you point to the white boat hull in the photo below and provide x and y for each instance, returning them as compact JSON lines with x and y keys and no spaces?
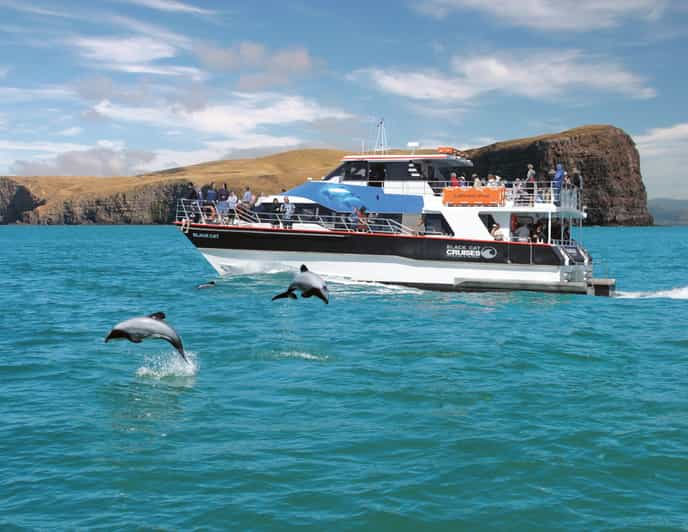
{"x":440,"y":275}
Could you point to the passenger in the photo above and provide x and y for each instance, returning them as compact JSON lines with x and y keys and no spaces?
{"x":496,"y":232}
{"x":288,"y":209}
{"x":491,"y":181}
{"x":419,"y":228}
{"x":232,"y":200}
{"x":453,"y":180}
{"x":538,"y":233}
{"x":247,"y":198}
{"x":531,"y":185}
{"x":462,"y":181}
{"x":274,"y":211}
{"x":223,"y":193}
{"x":476,"y":181}
{"x":362,"y":224}
{"x":211,"y":193}
{"x":577,"y":178}
{"x":557,"y":182}
{"x":522,"y":233}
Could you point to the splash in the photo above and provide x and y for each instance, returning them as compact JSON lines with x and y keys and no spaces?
{"x":372,"y":286}
{"x":169,"y":364}
{"x":303,"y":356}
{"x":674,"y":293}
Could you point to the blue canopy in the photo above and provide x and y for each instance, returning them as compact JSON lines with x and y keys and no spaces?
{"x":345,"y":198}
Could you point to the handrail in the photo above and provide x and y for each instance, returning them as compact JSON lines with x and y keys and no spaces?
{"x":214,"y":212}
{"x":517,"y":192}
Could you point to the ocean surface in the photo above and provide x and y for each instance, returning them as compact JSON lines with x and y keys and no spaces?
{"x":389,"y":409}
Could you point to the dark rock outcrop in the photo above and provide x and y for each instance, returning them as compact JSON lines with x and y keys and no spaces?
{"x":147,"y":204}
{"x":15,"y":200}
{"x":606,"y":156}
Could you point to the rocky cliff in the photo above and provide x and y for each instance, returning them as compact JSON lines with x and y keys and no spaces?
{"x":606,"y":156}
{"x":152,"y":203}
{"x":15,"y":200}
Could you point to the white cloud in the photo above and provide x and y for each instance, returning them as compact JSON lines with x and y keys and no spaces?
{"x":239,"y":118}
{"x":98,"y":161}
{"x":123,"y":50}
{"x":543,"y":74}
{"x":71,"y":131}
{"x":137,"y":55}
{"x":663,"y":159}
{"x":17,"y":94}
{"x":40,"y":147}
{"x":171,"y":5}
{"x":552,"y":15}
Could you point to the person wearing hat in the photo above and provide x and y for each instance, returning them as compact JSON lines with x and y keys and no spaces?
{"x":476,"y":181}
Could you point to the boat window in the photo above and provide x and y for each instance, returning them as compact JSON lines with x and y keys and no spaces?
{"x":488,"y":220}
{"x":356,"y":171}
{"x":398,"y":171}
{"x":337,"y":172}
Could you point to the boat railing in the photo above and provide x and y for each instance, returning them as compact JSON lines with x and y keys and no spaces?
{"x":516,"y":193}
{"x":219,"y":213}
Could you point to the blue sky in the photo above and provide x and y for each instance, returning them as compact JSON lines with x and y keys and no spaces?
{"x":124,"y":86}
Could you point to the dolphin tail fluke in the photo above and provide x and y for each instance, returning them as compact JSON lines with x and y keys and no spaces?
{"x":288,"y":293}
{"x":181,"y":352}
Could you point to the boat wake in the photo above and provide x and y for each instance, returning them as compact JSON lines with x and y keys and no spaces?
{"x":379,"y":288}
{"x":674,"y":293}
{"x":167,"y":365}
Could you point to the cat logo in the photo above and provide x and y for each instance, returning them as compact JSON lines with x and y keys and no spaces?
{"x":488,"y":253}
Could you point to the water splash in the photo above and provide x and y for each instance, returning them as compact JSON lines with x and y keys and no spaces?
{"x":370,"y":286}
{"x":674,"y":293}
{"x":169,"y":364}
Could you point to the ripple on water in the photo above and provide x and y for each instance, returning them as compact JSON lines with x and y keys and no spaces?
{"x":390,"y":408}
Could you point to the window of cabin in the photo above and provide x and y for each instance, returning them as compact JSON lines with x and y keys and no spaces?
{"x":397,"y":171}
{"x":356,"y":171}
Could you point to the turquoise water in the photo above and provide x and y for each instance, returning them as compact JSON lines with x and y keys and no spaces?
{"x":389,"y":409}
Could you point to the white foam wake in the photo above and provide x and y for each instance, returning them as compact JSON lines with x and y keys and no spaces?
{"x":373,"y":286}
{"x":169,"y":364}
{"x":674,"y":293}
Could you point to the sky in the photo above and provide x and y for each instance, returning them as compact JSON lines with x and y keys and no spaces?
{"x":119,"y":87}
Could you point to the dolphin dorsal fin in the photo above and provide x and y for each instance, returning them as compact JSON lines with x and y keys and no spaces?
{"x":303,"y":268}
{"x":157,"y":316}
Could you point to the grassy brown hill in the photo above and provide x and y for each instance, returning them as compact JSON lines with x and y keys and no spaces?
{"x":59,"y":195}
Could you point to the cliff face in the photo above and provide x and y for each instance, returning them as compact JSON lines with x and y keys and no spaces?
{"x":15,"y":200}
{"x":606,"y":156}
{"x":147,"y":204}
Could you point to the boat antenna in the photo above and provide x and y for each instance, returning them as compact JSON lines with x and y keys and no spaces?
{"x":381,"y":139}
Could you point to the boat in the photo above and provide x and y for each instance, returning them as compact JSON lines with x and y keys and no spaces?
{"x":406,"y":219}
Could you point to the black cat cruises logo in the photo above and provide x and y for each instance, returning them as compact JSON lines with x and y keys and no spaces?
{"x":462,"y":251}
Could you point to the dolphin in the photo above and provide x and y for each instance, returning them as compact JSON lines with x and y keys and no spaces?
{"x":209,"y":284}
{"x":137,"y":329}
{"x":309,"y":283}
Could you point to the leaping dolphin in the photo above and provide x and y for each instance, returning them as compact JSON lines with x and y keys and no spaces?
{"x":309,"y":283}
{"x":137,"y":329}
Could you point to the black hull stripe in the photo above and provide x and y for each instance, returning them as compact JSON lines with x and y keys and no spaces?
{"x":417,"y":248}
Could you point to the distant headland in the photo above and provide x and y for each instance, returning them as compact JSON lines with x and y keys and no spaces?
{"x":605,"y":155}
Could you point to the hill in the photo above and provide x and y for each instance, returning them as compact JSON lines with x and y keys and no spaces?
{"x":669,"y":211}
